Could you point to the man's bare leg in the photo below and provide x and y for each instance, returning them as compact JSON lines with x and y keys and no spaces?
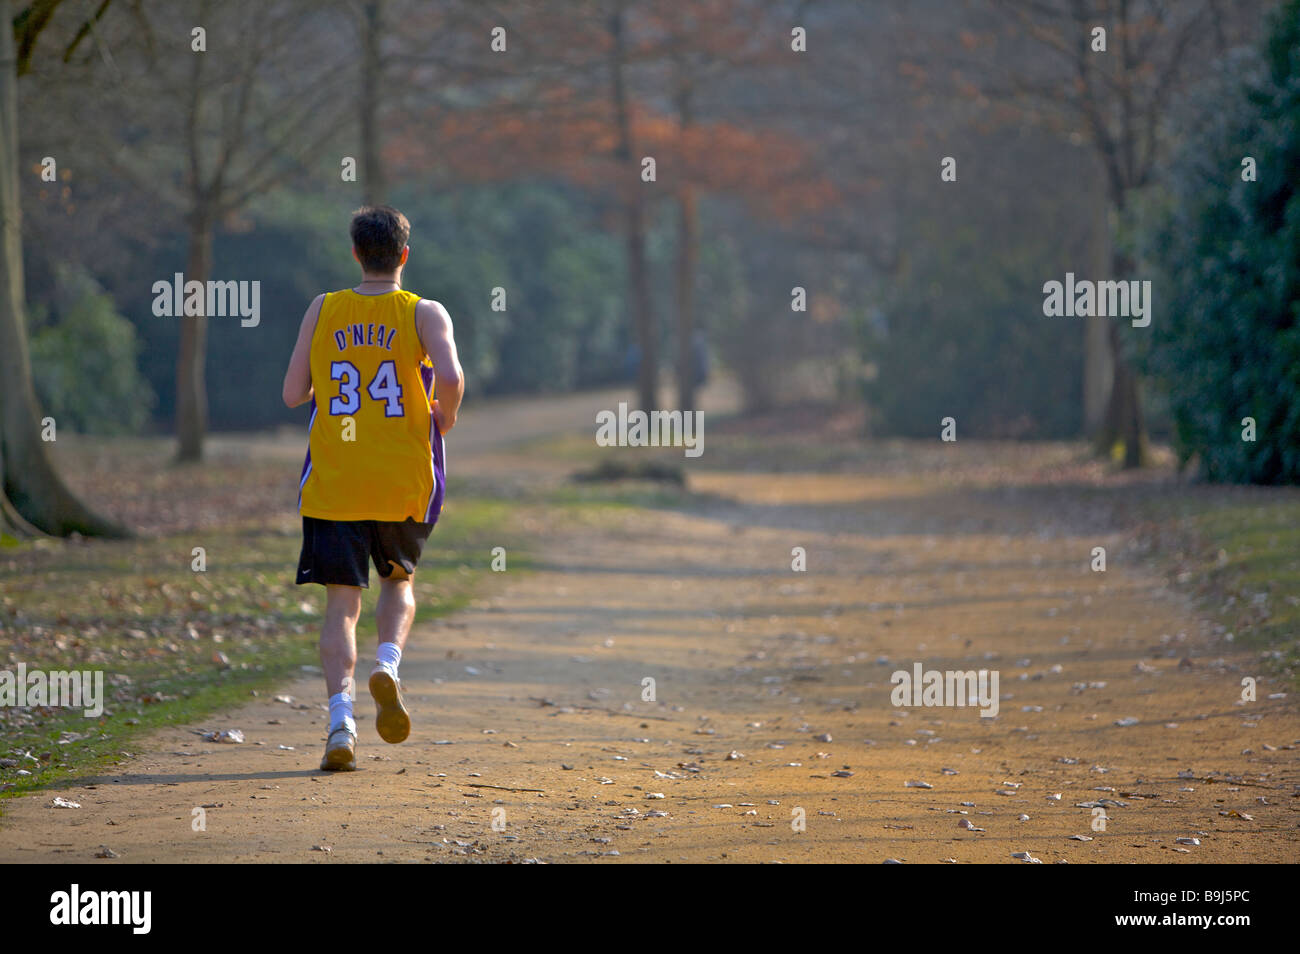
{"x":338,"y":637}
{"x":338,"y":657}
{"x":394,"y":613}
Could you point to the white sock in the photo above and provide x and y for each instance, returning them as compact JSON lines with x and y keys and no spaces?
{"x":341,"y":712}
{"x":389,"y":655}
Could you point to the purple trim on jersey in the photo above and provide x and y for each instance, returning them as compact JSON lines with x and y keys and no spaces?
{"x":439,"y":454}
{"x":306,"y":464}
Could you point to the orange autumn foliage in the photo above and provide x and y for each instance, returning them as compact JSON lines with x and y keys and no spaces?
{"x":576,"y":142}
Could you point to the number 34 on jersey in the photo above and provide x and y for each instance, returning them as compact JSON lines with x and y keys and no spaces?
{"x":374,"y":445}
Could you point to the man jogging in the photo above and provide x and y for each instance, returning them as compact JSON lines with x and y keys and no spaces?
{"x":373,"y":481}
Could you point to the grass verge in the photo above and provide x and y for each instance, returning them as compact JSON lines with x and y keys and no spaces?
{"x":178,"y":637}
{"x":1238,"y":548}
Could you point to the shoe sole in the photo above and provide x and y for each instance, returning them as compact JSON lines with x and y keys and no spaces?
{"x":392,"y":721}
{"x":339,"y":760}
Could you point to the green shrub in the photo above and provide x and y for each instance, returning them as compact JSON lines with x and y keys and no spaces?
{"x":84,"y":360}
{"x":1229,"y":254}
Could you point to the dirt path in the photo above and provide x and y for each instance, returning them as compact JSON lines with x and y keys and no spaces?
{"x":539,"y":686}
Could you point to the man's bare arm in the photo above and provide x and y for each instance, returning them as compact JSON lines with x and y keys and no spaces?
{"x":433,"y":325}
{"x":297,"y":379}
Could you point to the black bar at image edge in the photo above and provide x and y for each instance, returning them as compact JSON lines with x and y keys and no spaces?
{"x":1149,"y":901}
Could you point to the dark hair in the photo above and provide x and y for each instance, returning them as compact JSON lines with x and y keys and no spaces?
{"x":379,"y":233}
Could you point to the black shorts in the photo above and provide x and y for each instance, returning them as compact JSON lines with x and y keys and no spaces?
{"x":339,"y":551}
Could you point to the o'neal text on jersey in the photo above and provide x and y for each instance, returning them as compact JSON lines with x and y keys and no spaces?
{"x":359,"y":335}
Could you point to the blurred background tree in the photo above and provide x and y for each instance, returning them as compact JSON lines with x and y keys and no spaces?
{"x":33,"y":496}
{"x":1108,"y":69}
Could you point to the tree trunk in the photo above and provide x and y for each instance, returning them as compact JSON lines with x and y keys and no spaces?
{"x":1124,"y":421}
{"x":32,"y":496}
{"x":1098,"y":377}
{"x":373,"y":186}
{"x":11,"y":521}
{"x":688,"y":227}
{"x":191,"y":386}
{"x":688,"y":230}
{"x":643,"y":315}
{"x":634,"y":229}
{"x":1098,"y":365}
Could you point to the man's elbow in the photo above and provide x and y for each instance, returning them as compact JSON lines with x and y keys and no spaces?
{"x":452,"y":382}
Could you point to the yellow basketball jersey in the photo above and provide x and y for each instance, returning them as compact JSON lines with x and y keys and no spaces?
{"x":374,"y":450}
